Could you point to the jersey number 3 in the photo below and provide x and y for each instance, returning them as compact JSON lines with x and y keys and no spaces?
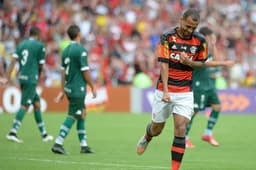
{"x":24,"y":57}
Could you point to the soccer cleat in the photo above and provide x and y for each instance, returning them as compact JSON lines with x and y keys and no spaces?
{"x":210,"y":139}
{"x":142,"y":145}
{"x":13,"y":137}
{"x":57,"y":148}
{"x":47,"y":138}
{"x":189,"y":144}
{"x":86,"y":149}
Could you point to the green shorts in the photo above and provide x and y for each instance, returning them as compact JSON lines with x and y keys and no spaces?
{"x":203,"y":99}
{"x":76,"y":106}
{"x":29,"y":94}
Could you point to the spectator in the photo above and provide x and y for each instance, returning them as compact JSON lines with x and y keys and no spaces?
{"x":123,"y":27}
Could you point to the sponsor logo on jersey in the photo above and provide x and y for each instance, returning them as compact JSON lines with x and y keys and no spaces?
{"x":176,"y":56}
{"x":23,"y":77}
{"x":174,"y":47}
{"x":67,"y":90}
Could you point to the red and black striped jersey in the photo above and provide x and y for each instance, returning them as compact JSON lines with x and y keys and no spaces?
{"x":170,"y":47}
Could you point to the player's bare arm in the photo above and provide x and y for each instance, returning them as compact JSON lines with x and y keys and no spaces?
{"x":225,"y":63}
{"x":198,"y":64}
{"x":3,"y":80}
{"x":10,"y":68}
{"x":87,"y":77}
{"x":164,"y":77}
{"x":61,"y":94}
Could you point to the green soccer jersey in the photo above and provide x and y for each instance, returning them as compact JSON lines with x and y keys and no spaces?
{"x":202,"y":79}
{"x":30,"y":53}
{"x":74,"y":62}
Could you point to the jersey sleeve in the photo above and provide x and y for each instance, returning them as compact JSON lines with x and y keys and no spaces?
{"x":163,"y":49}
{"x":62,"y":67}
{"x":83,"y":61}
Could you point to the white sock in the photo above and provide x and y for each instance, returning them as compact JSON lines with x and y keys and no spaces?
{"x":59,"y":140}
{"x":83,"y":143}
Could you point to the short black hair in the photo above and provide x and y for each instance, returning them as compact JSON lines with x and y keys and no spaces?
{"x":34,"y":31}
{"x":73,"y":31}
{"x":205,"y":31}
{"x":192,"y":12}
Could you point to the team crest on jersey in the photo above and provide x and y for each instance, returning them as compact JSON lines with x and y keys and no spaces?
{"x":173,"y":39}
{"x":193,"y":49}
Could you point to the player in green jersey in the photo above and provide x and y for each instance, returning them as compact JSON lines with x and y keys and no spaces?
{"x":205,"y":93}
{"x":75,"y":77}
{"x":30,"y":54}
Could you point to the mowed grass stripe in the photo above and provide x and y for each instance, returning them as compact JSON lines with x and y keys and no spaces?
{"x":114,"y":137}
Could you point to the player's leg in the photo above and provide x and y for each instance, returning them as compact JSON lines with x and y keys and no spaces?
{"x":179,"y":142}
{"x":39,"y":120}
{"x":212,"y":120}
{"x":65,"y":128}
{"x":152,"y":129}
{"x":81,"y":130}
{"x":189,"y":144}
{"x":63,"y":132}
{"x":12,"y":135}
{"x":160,"y":112}
{"x":26,"y":100}
{"x":199,"y":104}
{"x":82,"y":136}
{"x":182,"y":113}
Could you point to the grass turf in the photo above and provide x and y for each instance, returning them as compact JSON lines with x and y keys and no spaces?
{"x":114,"y":138}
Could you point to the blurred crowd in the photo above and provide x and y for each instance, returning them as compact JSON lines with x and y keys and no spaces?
{"x":121,"y":35}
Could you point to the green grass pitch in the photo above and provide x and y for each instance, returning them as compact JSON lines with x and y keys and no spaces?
{"x":114,"y":137}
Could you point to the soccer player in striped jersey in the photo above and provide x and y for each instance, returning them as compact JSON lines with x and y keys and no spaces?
{"x":30,"y":54}
{"x":205,"y":93}
{"x":75,"y":78}
{"x":180,"y":49}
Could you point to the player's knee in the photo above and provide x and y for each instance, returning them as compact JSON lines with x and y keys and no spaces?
{"x":180,"y":129}
{"x":37,"y":106}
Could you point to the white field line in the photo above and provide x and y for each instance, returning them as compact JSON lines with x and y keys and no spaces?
{"x":86,"y":163}
{"x":123,"y":166}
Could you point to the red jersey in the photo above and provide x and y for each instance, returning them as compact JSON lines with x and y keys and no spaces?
{"x":170,"y":47}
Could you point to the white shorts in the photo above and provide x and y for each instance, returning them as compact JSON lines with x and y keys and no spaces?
{"x":181,"y":104}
